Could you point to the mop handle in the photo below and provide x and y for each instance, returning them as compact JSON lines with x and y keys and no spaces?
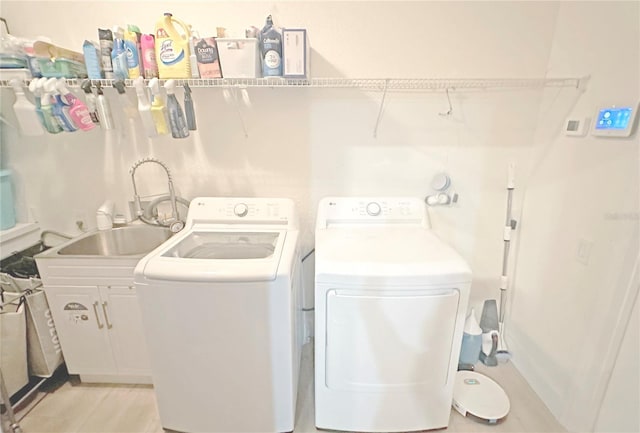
{"x":508,"y":227}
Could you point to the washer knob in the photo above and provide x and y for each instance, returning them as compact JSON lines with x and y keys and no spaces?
{"x":373,"y":209}
{"x":241,"y":209}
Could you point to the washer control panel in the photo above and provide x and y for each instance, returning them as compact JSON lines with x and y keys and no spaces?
{"x":333,"y":210}
{"x":249,"y":210}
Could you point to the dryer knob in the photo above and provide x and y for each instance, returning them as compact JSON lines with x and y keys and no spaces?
{"x":373,"y":209}
{"x":241,"y":210}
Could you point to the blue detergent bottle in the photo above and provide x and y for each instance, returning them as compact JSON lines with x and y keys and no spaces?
{"x":471,"y":342}
{"x":271,"y":50}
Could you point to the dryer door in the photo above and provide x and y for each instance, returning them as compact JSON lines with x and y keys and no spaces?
{"x":385,"y":341}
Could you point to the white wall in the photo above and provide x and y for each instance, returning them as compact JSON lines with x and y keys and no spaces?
{"x":619,"y":411}
{"x":305,"y":144}
{"x":568,"y":315}
{"x":309,"y":143}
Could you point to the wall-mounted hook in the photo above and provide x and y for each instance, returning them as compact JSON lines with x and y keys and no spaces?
{"x":450,"y":111}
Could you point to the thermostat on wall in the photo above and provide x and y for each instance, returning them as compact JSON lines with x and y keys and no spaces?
{"x":615,"y":120}
{"x":576,"y":127}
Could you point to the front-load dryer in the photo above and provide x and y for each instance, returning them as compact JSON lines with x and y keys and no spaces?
{"x":390,"y":302}
{"x":220,"y":306}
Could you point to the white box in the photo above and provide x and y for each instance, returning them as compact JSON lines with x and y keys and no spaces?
{"x":239,"y":57}
{"x":295,"y":53}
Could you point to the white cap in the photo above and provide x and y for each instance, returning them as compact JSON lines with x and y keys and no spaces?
{"x":471,"y":325}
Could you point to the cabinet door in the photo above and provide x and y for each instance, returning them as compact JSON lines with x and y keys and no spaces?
{"x":82,"y":329}
{"x":125,"y":328}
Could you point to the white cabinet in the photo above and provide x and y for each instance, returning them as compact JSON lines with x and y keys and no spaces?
{"x":100,"y":331}
{"x":124,"y":325}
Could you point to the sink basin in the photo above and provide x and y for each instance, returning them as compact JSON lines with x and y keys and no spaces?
{"x":122,"y":241}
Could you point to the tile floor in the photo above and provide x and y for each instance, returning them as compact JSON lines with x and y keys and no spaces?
{"x":87,"y":408}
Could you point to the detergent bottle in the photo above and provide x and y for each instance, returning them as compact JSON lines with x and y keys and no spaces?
{"x":148,"y":48}
{"x":271,"y":50}
{"x":471,"y":341}
{"x":132,"y":51}
{"x":172,"y":48}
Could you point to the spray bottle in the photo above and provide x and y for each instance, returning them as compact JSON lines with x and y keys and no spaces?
{"x":91,"y":102}
{"x":25,"y":112}
{"x":193,"y":60}
{"x":177,"y":121}
{"x":50,"y":122}
{"x":104,"y":110}
{"x":144,"y":108}
{"x":158,"y":108}
{"x":188,"y":108}
{"x":127,"y":105}
{"x":78,"y":111}
{"x":60,"y":107}
{"x":37,"y":97}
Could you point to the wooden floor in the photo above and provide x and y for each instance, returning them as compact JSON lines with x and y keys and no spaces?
{"x":87,"y":408}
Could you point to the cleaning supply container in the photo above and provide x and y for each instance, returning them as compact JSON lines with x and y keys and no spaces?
{"x":471,"y":342}
{"x":239,"y":57}
{"x":172,"y":48}
{"x":7,"y":209}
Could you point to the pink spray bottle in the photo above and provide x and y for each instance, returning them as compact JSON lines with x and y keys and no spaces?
{"x":78,"y":111}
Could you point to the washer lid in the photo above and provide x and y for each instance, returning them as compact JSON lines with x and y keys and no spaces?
{"x":386,"y":251}
{"x":218,"y":255}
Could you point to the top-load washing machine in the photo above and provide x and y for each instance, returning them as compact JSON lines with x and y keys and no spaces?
{"x":390,"y":303}
{"x":220,"y":305}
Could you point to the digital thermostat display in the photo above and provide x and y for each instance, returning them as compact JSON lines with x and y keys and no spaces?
{"x":615,"y":121}
{"x":614,"y":118}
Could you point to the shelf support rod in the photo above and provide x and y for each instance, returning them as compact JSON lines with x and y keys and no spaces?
{"x":384,"y":95}
{"x":450,"y":110}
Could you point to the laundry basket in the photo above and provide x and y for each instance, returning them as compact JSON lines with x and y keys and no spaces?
{"x":43,"y":347}
{"x":13,"y":341}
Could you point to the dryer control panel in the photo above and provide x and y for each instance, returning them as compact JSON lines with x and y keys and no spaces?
{"x":354,"y":210}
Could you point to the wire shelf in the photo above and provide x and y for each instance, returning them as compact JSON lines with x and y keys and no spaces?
{"x":370,"y":84}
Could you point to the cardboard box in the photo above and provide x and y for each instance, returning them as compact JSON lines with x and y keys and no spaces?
{"x":239,"y":57}
{"x":295,"y":53}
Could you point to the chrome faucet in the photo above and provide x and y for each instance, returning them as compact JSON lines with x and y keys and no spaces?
{"x":174,"y":223}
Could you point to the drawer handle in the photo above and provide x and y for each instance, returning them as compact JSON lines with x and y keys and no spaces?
{"x":106,"y":316}
{"x":95,"y":310}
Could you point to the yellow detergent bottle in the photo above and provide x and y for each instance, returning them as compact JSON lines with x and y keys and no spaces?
{"x":172,"y":48}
